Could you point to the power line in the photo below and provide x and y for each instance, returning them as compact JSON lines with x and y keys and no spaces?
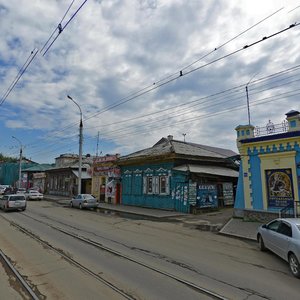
{"x":57,"y":28}
{"x":61,"y":28}
{"x":145,"y":89}
{"x":219,"y":94}
{"x":125,"y":131}
{"x":28,"y":61}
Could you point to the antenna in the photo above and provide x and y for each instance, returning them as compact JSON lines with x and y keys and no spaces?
{"x":184,"y":134}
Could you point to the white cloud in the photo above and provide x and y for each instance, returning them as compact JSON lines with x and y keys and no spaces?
{"x":112,"y":49}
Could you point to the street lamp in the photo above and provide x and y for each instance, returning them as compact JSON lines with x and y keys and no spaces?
{"x":20,"y":162}
{"x":247,"y":94}
{"x":80,"y":144}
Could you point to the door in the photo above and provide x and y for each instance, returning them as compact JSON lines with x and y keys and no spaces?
{"x":181,"y":198}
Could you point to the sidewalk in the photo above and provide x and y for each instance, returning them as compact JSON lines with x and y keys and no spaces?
{"x":220,"y":221}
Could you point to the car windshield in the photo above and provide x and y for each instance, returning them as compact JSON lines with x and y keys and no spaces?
{"x":88,"y":197}
{"x":15,"y":198}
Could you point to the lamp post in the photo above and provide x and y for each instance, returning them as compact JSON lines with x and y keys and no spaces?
{"x":20,"y":162}
{"x":247,"y":94}
{"x":80,"y":144}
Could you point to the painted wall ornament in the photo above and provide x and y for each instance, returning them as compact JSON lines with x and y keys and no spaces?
{"x":279,"y":187}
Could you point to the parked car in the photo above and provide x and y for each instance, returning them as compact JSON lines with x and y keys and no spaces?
{"x":282,"y":236}
{"x":21,"y":191}
{"x":3,"y":187}
{"x":13,"y":202}
{"x":84,"y":201}
{"x":33,"y":195}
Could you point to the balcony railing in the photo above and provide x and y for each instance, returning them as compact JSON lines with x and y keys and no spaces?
{"x":271,"y":128}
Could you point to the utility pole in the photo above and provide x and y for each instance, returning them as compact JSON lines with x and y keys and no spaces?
{"x":248,"y":107}
{"x":247,"y":94}
{"x":20,"y":161}
{"x":97,"y":145}
{"x":80,"y":145}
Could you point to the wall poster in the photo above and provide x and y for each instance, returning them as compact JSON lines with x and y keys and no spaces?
{"x":280,"y":190}
{"x":207,"y":195}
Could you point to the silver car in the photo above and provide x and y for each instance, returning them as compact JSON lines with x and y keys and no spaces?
{"x":84,"y":201}
{"x":13,"y":202}
{"x":282,"y":236}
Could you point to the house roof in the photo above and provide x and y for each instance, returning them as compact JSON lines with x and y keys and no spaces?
{"x":84,"y":174}
{"x":38,"y":168}
{"x":211,"y":170}
{"x":168,"y":146}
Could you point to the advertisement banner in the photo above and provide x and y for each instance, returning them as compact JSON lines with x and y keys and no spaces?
{"x":280,"y":190}
{"x":228,"y":193}
{"x":207,"y":195}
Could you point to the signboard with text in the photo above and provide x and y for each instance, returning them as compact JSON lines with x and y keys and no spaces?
{"x":280,"y":192}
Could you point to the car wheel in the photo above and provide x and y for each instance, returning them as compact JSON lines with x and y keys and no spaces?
{"x":80,"y":206}
{"x":261,"y":243}
{"x":23,"y":209}
{"x":71,"y":204}
{"x":294,"y":265}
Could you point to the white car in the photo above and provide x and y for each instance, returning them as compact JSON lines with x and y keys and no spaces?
{"x":282,"y":236}
{"x":13,"y":202}
{"x":21,"y":191}
{"x":34,"y":195}
{"x":84,"y":201}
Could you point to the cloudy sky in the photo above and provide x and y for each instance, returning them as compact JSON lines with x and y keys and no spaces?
{"x":121,"y":61}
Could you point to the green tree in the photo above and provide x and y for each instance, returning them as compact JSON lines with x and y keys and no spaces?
{"x":4,"y":158}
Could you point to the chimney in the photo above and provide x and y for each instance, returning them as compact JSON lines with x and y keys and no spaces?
{"x":170,"y":137}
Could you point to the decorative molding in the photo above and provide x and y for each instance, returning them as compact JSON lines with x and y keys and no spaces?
{"x":148,"y":170}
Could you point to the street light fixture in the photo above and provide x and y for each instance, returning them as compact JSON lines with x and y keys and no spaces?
{"x":20,"y":162}
{"x":80,"y":144}
{"x":247,"y":94}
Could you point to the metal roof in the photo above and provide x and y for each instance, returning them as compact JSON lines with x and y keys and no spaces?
{"x":212,"y":170}
{"x":84,"y":174}
{"x":168,"y":146}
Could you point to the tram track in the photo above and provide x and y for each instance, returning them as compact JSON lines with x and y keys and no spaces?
{"x":23,"y":284}
{"x":101,"y":247}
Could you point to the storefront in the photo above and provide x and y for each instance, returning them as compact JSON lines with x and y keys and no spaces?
{"x":106,"y":179}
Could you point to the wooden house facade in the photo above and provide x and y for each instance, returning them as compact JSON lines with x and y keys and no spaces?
{"x":179,"y":176}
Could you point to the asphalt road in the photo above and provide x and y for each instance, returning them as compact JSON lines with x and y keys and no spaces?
{"x":135,"y":256}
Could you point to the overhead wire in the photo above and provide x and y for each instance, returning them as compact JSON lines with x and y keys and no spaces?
{"x":139,"y":92}
{"x":28,"y":61}
{"x":61,"y":27}
{"x":124,"y":131}
{"x":56,"y":28}
{"x":281,"y":73}
{"x":184,"y":74}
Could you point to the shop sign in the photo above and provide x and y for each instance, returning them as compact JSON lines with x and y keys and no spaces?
{"x":39,"y":175}
{"x":228,"y":193}
{"x":107,"y":158}
{"x":207,"y":195}
{"x":280,"y":192}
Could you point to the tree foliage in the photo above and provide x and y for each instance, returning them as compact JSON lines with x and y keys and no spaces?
{"x":8,"y":159}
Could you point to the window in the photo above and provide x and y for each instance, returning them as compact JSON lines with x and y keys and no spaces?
{"x":156,"y":185}
{"x":285,"y":229}
{"x":149,"y":186}
{"x":163,"y":184}
{"x":274,"y":225}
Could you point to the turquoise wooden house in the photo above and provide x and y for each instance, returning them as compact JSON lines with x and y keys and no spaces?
{"x":179,"y":176}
